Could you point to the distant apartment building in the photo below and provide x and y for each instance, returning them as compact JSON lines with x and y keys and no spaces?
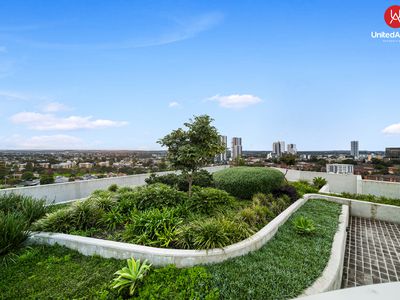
{"x":85,"y":165}
{"x":339,"y":169}
{"x":104,"y":164}
{"x":278,"y":148}
{"x":223,"y":157}
{"x":392,"y":153}
{"x":236,"y":147}
{"x":354,"y":151}
{"x":291,"y":149}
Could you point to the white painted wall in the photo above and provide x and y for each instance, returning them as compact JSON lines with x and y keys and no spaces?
{"x":62,"y":192}
{"x":381,"y":188}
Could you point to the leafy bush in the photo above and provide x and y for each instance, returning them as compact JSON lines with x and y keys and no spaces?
{"x":153,"y":227}
{"x":81,"y":215}
{"x":171,"y":283}
{"x":288,"y":190}
{"x":158,"y":196}
{"x":114,"y":219}
{"x":131,"y":276}
{"x":319,"y":182}
{"x":304,"y":225}
{"x":13,"y":231}
{"x":209,"y":200}
{"x":212,"y":233}
{"x":201,"y":178}
{"x":244,"y":182}
{"x":303,"y":187}
{"x":371,"y":198}
{"x":30,"y":208}
{"x":127,"y":201}
{"x":105,"y":200}
{"x":113,"y":188}
{"x":256,"y":216}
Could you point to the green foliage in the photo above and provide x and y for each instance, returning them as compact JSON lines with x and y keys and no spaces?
{"x":171,"y":283}
{"x":153,"y":227}
{"x":304,"y":225}
{"x":244,"y":182}
{"x":212,"y":233}
{"x":113,"y":188}
{"x":209,"y":200}
{"x":55,"y":272}
{"x":46,"y":179}
{"x":201,"y":178}
{"x":158,"y":196}
{"x":371,"y":198}
{"x":129,"y":277}
{"x":191,"y":149}
{"x":13,"y":231}
{"x":27,"y":176}
{"x":113,"y":219}
{"x":303,"y":187}
{"x":81,"y":215}
{"x":257,"y":216}
{"x":286,"y":265}
{"x":319,"y":182}
{"x":30,"y":208}
{"x":105,"y":200}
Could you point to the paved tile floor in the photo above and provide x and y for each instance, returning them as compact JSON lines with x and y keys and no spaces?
{"x":372,"y":253}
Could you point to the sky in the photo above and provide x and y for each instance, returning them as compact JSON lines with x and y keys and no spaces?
{"x":122,"y":74}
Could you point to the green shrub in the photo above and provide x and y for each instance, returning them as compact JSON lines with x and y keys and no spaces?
{"x":371,"y":198}
{"x":113,"y":188}
{"x":105,"y":200}
{"x":32,"y":209}
{"x":212,"y":233}
{"x":201,"y":178}
{"x":153,"y":227}
{"x":158,"y":195}
{"x":304,"y":225}
{"x":303,"y":187}
{"x":171,"y":283}
{"x":13,"y":231}
{"x":124,"y":189}
{"x":114,"y":219}
{"x":209,"y":200}
{"x":130,"y":277}
{"x":81,"y":215}
{"x":127,"y":201}
{"x":319,"y":182}
{"x":244,"y":182}
{"x":256,"y":216}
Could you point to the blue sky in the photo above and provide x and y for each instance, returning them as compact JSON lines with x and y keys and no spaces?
{"x":121,"y":74}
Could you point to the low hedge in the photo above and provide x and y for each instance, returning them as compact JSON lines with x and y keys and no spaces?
{"x":244,"y":182}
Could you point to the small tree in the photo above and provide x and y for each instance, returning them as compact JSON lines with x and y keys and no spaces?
{"x":191,"y":149}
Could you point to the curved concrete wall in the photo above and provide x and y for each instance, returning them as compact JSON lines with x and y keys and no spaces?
{"x":163,"y":257}
{"x":62,"y":192}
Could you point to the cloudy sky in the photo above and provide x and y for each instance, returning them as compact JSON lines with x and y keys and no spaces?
{"x":121,"y":74}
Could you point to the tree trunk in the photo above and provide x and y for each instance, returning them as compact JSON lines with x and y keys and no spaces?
{"x":190,"y":180}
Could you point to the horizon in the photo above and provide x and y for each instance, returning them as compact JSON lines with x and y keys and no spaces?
{"x":114,"y":76}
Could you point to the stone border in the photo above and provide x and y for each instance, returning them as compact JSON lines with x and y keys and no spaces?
{"x":163,"y":257}
{"x":331,"y":277}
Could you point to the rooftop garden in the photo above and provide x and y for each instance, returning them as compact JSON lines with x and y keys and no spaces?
{"x":282,"y":269}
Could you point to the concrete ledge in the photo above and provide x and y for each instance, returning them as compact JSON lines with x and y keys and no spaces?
{"x":364,"y":209}
{"x":163,"y":257}
{"x":331,"y":277}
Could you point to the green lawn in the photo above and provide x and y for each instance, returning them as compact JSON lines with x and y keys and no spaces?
{"x":282,"y":269}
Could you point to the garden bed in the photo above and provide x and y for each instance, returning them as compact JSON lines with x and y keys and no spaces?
{"x":282,"y":269}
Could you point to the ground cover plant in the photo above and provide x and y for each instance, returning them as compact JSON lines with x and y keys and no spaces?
{"x":370,"y":198}
{"x":160,"y":215}
{"x":282,"y":269}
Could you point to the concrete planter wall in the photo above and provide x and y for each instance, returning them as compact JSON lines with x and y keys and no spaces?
{"x":162,"y":257}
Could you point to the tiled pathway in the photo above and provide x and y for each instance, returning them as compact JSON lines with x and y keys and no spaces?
{"x":372,"y":252}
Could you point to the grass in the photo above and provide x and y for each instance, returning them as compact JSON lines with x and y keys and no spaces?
{"x":55,"y":272}
{"x":281,"y":269}
{"x":286,"y":265}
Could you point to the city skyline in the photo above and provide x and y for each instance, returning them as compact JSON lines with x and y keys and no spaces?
{"x":126,"y":75}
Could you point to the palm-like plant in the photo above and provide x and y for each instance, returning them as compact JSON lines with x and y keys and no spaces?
{"x":130,"y":276}
{"x":304,"y":225}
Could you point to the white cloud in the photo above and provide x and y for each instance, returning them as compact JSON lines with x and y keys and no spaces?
{"x":173,"y":104}
{"x":392,"y":129}
{"x":235,"y":101}
{"x":54,"y":107}
{"x":39,"y":121}
{"x":7,"y":95}
{"x":58,"y":141}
